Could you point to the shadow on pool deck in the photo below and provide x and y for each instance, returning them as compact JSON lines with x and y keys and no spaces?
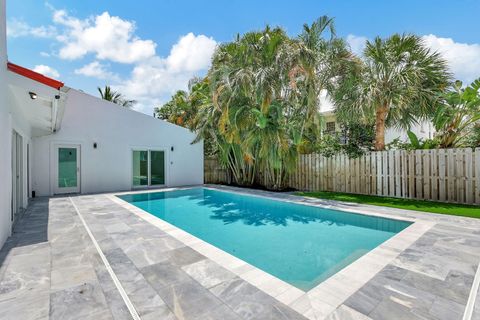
{"x":30,"y":229}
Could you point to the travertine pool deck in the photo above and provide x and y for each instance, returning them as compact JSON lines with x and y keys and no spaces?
{"x":51,"y":269}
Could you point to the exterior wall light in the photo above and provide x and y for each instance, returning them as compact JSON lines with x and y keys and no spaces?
{"x":33,"y":95}
{"x":171,"y":148}
{"x":94,"y":145}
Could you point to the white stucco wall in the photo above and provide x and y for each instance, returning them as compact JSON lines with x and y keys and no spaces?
{"x":117,"y":131}
{"x":422,"y":130}
{"x":5,"y":135}
{"x":11,"y":118}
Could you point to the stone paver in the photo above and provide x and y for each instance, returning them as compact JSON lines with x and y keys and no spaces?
{"x":50,"y":269}
{"x":429,"y":280}
{"x":476,"y":309}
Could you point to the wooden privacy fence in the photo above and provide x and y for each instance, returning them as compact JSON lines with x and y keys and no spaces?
{"x":450,"y":175}
{"x":214,"y":172}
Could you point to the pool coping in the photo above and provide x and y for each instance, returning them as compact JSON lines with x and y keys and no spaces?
{"x":323,"y":299}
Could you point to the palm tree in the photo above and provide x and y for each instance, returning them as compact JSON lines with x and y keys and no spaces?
{"x":457,"y":114}
{"x":249,"y":78}
{"x":324,"y":61}
{"x":174,"y":110}
{"x":396,"y":84}
{"x":265,"y":89}
{"x":115,"y":97}
{"x":258,"y":104}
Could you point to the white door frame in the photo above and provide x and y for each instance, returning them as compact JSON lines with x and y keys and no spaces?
{"x":17,"y":175}
{"x":20,"y":173}
{"x":56,"y":189}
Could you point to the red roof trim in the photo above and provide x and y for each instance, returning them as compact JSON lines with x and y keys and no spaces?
{"x":34,"y":76}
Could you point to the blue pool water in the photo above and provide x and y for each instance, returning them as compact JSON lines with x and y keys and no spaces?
{"x":302,"y":245}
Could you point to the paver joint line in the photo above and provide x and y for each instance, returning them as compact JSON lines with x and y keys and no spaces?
{"x":473,"y":295}
{"x":118,"y":285}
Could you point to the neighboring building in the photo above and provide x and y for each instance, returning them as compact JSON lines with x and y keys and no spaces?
{"x":424,"y":130}
{"x":57,"y":140}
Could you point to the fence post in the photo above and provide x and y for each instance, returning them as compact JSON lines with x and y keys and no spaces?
{"x":469,"y":195}
{"x":442,"y":190}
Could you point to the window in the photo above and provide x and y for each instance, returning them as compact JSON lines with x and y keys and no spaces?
{"x":330,"y":127}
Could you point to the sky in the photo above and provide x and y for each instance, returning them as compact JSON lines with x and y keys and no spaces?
{"x":149,"y":49}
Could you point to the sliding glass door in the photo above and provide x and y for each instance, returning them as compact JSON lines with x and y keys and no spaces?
{"x":140,"y":168}
{"x":157,"y":168}
{"x":148,"y":168}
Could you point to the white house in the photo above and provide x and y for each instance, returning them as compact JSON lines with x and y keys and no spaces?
{"x":58,"y":140}
{"x":424,"y":130}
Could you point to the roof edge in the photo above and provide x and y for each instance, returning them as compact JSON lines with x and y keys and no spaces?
{"x":35,"y":76}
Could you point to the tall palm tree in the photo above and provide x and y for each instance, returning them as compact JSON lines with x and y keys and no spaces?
{"x":249,"y":76}
{"x":259,"y":103}
{"x":116,"y":97}
{"x":324,"y":60}
{"x":266,"y":89}
{"x":396,"y":84}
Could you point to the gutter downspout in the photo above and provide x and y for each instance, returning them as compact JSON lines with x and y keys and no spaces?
{"x":58,"y":108}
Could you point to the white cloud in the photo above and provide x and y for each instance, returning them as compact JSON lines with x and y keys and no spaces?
{"x":191,"y":53}
{"x":45,"y":54}
{"x":154,"y":80}
{"x":325,"y":103}
{"x":97,"y":70}
{"x":17,"y":28}
{"x":46,"y":71}
{"x":108,"y":37}
{"x":463,"y":58}
{"x":357,"y":43}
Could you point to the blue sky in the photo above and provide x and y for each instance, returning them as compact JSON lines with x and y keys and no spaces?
{"x":148,"y":49}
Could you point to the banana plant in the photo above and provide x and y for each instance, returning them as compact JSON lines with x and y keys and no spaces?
{"x":416,"y":143}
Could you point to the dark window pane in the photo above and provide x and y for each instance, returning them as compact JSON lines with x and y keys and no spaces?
{"x":157,"y":167}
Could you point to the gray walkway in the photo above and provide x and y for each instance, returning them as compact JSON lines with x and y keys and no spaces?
{"x":50,"y":269}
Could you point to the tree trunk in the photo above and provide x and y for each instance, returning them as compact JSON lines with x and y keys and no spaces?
{"x":380,"y":117}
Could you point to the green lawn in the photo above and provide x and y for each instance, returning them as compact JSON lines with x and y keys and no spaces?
{"x":418,"y":205}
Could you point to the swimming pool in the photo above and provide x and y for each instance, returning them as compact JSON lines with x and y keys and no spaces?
{"x":300,"y":244}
